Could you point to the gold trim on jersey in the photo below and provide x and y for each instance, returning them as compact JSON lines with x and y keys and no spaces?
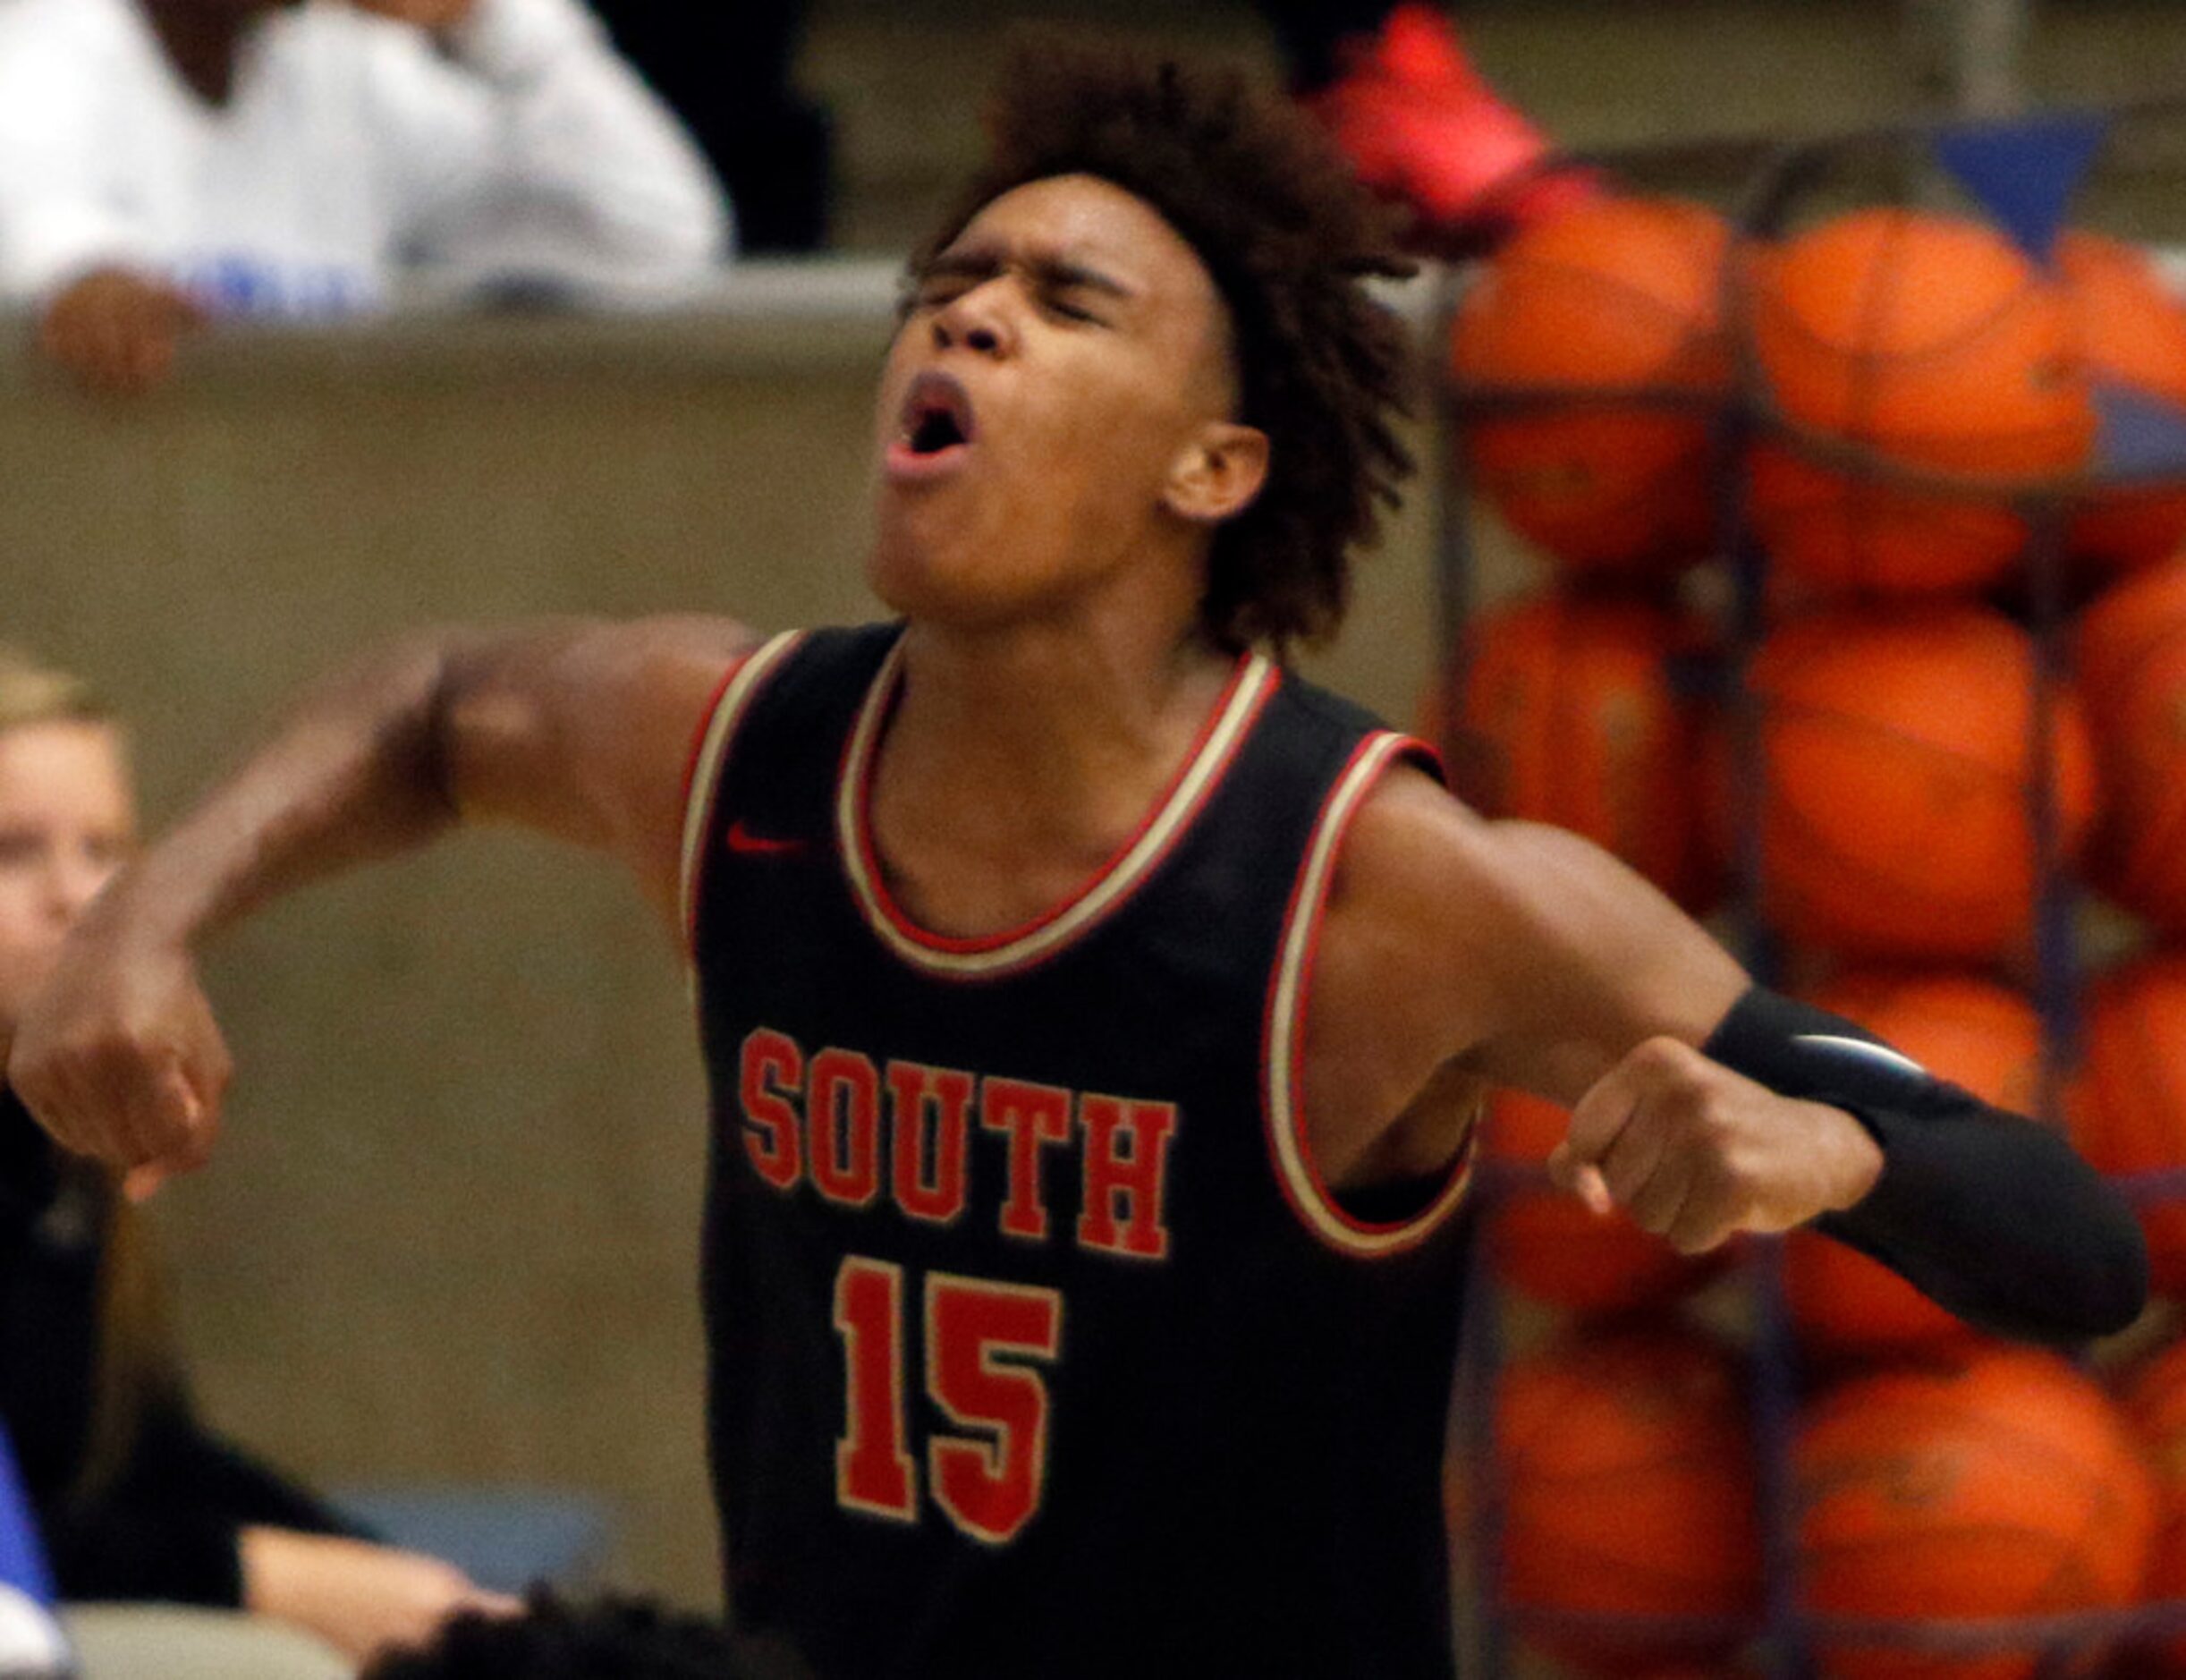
{"x":706,"y":773}
{"x":1303,"y":1185}
{"x":988,"y":958}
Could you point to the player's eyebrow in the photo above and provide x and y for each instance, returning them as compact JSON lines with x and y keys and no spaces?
{"x":1060,"y":273}
{"x":1076,"y":277}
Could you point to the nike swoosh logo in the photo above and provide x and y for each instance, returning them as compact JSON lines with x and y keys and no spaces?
{"x":741,"y":839}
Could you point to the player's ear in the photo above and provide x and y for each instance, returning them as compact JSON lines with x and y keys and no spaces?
{"x":1217,"y":473}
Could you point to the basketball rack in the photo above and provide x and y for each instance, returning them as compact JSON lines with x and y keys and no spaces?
{"x":2025,"y":176}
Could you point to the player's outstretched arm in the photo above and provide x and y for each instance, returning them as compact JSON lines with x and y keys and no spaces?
{"x":1706,"y":1107}
{"x":579,"y":730}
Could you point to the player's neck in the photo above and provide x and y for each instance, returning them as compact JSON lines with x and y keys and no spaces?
{"x":1035,"y":751}
{"x":1051,"y":707}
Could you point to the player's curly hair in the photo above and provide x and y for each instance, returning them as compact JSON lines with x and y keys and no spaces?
{"x":1289,"y":236}
{"x":612,"y":1638}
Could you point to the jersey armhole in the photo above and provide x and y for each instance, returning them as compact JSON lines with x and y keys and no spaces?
{"x":1283,"y":1036}
{"x":708,"y":762}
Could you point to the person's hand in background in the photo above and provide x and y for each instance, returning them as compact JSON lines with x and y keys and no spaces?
{"x":114,"y":332}
{"x":360,"y":1598}
{"x":436,"y":16}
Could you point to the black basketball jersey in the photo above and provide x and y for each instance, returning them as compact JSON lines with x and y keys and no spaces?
{"x":1037,"y":1345}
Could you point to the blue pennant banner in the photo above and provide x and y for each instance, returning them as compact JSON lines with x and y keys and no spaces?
{"x":2024,"y":173}
{"x":2136,"y":433}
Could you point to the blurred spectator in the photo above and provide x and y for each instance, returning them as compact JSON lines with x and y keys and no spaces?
{"x":1319,"y":36}
{"x":135,"y":1499}
{"x":1397,"y":91}
{"x":1389,"y":78}
{"x":163,"y":162}
{"x":32,"y":1644}
{"x":727,"y":70}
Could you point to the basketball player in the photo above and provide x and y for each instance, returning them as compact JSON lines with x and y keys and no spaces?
{"x":1097,"y":1014}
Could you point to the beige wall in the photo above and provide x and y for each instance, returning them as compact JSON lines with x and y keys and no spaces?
{"x":451,"y":1231}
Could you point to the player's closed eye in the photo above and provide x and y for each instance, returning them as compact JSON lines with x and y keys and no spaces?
{"x":925,"y":296}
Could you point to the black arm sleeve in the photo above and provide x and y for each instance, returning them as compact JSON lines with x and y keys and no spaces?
{"x":1988,"y":1213}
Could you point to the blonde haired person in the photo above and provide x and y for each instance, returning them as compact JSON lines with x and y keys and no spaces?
{"x":137,"y":1501}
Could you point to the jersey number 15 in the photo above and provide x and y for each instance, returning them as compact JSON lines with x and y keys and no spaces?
{"x":983,"y":1341}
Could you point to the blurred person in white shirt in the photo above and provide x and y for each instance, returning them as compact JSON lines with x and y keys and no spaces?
{"x":166,"y":163}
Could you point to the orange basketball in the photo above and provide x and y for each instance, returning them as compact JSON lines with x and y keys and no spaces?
{"x":1551,"y":1246}
{"x":1621,"y":296}
{"x":1962,"y":1028}
{"x":1563,"y":711}
{"x":1932,"y":342}
{"x":2130,"y":659}
{"x":2133,"y":332}
{"x":2128,"y":1102}
{"x":1627,"y":1484}
{"x":2005,"y":1485}
{"x":2155,"y":1406}
{"x":1896,"y":776}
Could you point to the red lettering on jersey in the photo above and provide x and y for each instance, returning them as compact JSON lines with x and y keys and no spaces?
{"x":842,"y":1114}
{"x":1123,"y":1209}
{"x":928,"y":1186}
{"x":1033,"y":1116}
{"x":980,"y":1337}
{"x":771,"y":1072}
{"x":872,"y":1471}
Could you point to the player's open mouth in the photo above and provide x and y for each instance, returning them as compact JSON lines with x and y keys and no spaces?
{"x":934,"y":429}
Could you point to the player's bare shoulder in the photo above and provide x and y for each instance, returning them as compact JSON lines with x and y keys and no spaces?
{"x":1392,"y":970}
{"x":584,"y":729}
{"x":1421,"y":872}
{"x":1507,"y":927}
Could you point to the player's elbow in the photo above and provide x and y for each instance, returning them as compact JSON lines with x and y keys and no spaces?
{"x":408,"y":686}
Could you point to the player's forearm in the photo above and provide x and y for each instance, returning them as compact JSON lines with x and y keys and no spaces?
{"x":118,"y":1055}
{"x":1999,"y":1220}
{"x":355,"y":772}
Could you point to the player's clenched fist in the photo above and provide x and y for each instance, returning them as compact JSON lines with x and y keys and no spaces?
{"x":119,"y":1058}
{"x":1695,"y":1152}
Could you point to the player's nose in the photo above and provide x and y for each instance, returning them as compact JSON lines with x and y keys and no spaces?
{"x":978,"y":320}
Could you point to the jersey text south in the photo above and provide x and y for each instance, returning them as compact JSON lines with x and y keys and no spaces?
{"x":816,"y":1119}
